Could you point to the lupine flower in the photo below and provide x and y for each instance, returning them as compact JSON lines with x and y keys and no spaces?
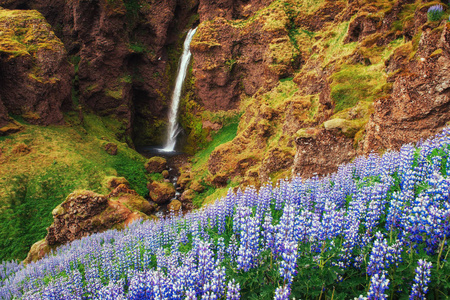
{"x":435,"y":12}
{"x":233,"y":289}
{"x":282,"y":293}
{"x":378,"y":286}
{"x":421,"y":280}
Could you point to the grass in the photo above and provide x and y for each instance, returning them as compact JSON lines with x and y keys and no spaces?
{"x":224,"y":135}
{"x":55,"y":161}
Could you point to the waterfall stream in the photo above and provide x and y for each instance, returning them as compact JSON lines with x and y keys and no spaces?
{"x":174,"y":129}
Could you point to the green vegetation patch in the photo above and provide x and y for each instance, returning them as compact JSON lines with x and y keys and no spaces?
{"x":42,"y":165}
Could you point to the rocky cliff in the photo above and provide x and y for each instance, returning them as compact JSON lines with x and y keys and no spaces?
{"x":122,"y":57}
{"x":276,"y":87}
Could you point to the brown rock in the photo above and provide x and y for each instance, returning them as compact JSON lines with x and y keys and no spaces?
{"x":184,"y":179}
{"x":122,"y":189}
{"x":39,"y":250}
{"x":188,"y":195}
{"x":156,"y":164}
{"x":315,"y":148}
{"x":111,"y":148}
{"x":174,"y":205}
{"x":112,"y":182}
{"x":73,"y":218}
{"x":38,"y":80}
{"x":161,"y":192}
{"x":196,"y":186}
{"x":419,"y":105}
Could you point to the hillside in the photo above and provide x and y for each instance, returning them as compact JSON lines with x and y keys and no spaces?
{"x":276,"y":90}
{"x":375,"y":229}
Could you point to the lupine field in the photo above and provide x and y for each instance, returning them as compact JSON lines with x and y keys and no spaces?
{"x":375,"y":229}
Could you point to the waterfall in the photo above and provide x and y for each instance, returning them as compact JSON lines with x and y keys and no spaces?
{"x":173,"y":129}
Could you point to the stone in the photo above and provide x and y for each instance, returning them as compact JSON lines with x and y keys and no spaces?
{"x":188,"y":195}
{"x":156,"y":164}
{"x":165,"y":174}
{"x":196,"y":186}
{"x":111,"y":148}
{"x":111,"y":182}
{"x":39,"y":79}
{"x":174,"y":205}
{"x":184,"y":179}
{"x":161,"y":192}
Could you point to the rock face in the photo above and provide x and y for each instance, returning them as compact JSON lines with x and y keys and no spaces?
{"x":321,"y":152}
{"x":120,"y":52}
{"x":419,"y":105}
{"x":231,"y":60}
{"x":35,"y":75}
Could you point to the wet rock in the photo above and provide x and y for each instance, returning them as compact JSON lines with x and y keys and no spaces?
{"x":156,"y":164}
{"x":161,"y":192}
{"x":111,"y":148}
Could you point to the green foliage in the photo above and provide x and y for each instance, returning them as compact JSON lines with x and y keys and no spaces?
{"x":62,"y":159}
{"x":435,"y":13}
{"x":354,"y":83}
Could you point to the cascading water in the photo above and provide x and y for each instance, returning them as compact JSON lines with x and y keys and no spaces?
{"x":173,"y":129}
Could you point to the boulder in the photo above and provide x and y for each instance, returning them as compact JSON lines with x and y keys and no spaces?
{"x":111,"y":148}
{"x":174,"y":205}
{"x":184,"y":179}
{"x":188,"y":195}
{"x":111,"y":182}
{"x":156,"y":164}
{"x":196,"y":186}
{"x":161,"y":192}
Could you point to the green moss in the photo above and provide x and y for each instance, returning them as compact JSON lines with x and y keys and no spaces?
{"x":354,"y":83}
{"x":24,"y":32}
{"x":61,"y":159}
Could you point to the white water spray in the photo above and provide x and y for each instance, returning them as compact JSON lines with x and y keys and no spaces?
{"x":173,"y":129}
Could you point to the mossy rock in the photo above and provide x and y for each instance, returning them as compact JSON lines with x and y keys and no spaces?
{"x":111,"y":182}
{"x":188,"y":195}
{"x":39,"y":250}
{"x":137,"y":203}
{"x":348,"y":127}
{"x":165,"y":174}
{"x":307,"y":132}
{"x":161,"y":192}
{"x":196,"y":186}
{"x":174,"y":205}
{"x":184,"y":179}
{"x":156,"y":164}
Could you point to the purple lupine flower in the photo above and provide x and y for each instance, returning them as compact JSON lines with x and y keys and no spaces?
{"x":288,"y":265}
{"x":233,"y":290}
{"x":421,"y":280}
{"x":378,"y":286}
{"x":282,"y":293}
